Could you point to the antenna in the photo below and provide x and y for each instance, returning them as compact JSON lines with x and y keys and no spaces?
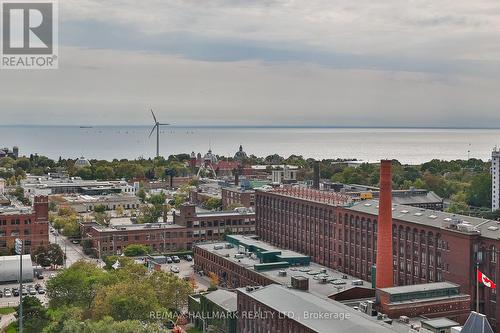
{"x":156,"y":126}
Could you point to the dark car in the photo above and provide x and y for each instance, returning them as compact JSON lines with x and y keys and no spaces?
{"x":169,"y":260}
{"x":188,"y":258}
{"x":15,"y":292}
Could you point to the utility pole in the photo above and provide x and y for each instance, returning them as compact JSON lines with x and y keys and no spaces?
{"x":65,"y":255}
{"x":19,"y":250}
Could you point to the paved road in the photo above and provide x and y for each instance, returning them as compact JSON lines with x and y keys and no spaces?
{"x":74,"y":252}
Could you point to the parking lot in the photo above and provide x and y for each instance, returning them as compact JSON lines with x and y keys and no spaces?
{"x":14,"y":300}
{"x":186,"y":271}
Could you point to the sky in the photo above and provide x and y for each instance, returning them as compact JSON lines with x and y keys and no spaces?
{"x":267,"y":62}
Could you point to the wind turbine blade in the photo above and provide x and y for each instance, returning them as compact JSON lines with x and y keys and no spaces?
{"x":152,"y":130}
{"x":164,"y":124}
{"x":154,"y":116}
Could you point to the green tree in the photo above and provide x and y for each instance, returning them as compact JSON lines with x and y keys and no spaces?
{"x":104,"y":173}
{"x":213,"y":203}
{"x":100,"y":208}
{"x":52,"y":254}
{"x":135,"y":250}
{"x":34,"y":314}
{"x":76,"y":285}
{"x":142,"y":194}
{"x":479,"y":191}
{"x":126,"y":300}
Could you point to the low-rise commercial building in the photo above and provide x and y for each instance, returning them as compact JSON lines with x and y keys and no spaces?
{"x":9,"y":268}
{"x":47,"y":185}
{"x":207,"y":225}
{"x":430,"y":300}
{"x":87,"y":203}
{"x":237,"y":196}
{"x":188,"y":227}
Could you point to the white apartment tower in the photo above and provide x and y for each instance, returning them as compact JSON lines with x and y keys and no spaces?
{"x":495,"y":179}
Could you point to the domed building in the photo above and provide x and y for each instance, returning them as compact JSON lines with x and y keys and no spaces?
{"x":209,"y":157}
{"x":82,"y":162}
{"x":240,"y":154}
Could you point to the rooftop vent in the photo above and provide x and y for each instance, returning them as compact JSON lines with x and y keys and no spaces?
{"x":433,"y":217}
{"x":404,"y":211}
{"x":418,"y":214}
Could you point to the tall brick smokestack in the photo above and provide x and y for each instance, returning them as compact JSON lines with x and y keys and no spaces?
{"x":384,"y":277}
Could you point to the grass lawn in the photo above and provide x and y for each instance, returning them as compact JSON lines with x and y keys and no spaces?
{"x":11,"y":328}
{"x":4,"y":311}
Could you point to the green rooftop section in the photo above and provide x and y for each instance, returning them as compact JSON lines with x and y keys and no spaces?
{"x":422,"y":291}
{"x":268,"y":254}
{"x":271,"y":265}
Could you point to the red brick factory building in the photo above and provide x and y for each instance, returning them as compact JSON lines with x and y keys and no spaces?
{"x":427,"y":246}
{"x":31,"y":224}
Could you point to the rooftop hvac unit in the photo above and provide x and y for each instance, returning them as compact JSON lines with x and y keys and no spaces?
{"x":218,"y":247}
{"x":282,"y":273}
{"x":466,"y":227}
{"x":323,"y":280}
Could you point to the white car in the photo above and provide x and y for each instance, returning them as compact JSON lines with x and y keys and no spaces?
{"x":175,"y":269}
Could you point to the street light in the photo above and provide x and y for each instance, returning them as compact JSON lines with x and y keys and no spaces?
{"x":19,"y":250}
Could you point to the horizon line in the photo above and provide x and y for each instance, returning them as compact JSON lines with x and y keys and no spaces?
{"x":258,"y":126}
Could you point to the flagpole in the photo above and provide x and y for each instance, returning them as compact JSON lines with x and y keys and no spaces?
{"x":477,"y":287}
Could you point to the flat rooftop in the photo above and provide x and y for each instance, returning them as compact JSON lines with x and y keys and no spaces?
{"x":432,"y":218}
{"x":419,"y":287}
{"x":145,"y":226}
{"x":99,"y":198}
{"x":304,"y":307}
{"x":225,"y":299}
{"x":15,"y":208}
{"x":314,"y":272}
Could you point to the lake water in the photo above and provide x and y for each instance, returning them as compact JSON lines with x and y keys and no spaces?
{"x":109,"y":142}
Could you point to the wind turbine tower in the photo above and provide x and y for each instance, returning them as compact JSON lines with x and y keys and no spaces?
{"x":157,"y":127}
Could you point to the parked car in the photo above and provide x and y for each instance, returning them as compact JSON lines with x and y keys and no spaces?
{"x":32,"y":291}
{"x":15,"y":292}
{"x":175,"y":269}
{"x":169,"y":260}
{"x":74,"y":241}
{"x":7,"y":293}
{"x":38,"y":286}
{"x":176,"y":259}
{"x":188,"y":258}
{"x":41,"y":291}
{"x":39,"y":276}
{"x":24,"y":292}
{"x":1,"y":294}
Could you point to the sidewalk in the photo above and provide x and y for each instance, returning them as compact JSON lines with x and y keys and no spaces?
{"x":5,"y":320}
